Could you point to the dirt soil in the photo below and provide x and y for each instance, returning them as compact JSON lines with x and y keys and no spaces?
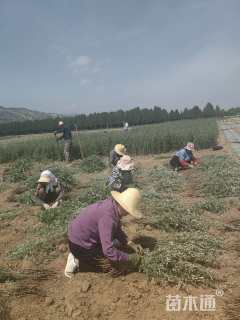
{"x":95,"y":296}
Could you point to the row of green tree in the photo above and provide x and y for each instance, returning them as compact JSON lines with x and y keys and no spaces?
{"x":114,"y":119}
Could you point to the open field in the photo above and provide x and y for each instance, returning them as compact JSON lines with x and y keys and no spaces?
{"x":149,"y":139}
{"x":190,"y":231}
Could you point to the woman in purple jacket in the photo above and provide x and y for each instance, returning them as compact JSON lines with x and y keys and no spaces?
{"x":96,"y":232}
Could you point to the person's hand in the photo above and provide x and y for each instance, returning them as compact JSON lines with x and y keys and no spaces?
{"x":137,"y":248}
{"x":191,"y":166}
{"x":55,"y":205}
{"x":46,"y":206}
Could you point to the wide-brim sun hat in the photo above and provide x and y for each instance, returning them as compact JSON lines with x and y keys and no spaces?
{"x":120,"y":149}
{"x":125,"y":163}
{"x":44,"y":179}
{"x":129,"y":201}
{"x":190,"y":146}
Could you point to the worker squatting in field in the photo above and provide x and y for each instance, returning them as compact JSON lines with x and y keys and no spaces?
{"x":49,"y":191}
{"x":116,"y":154}
{"x":184,"y":158}
{"x":122,"y":174}
{"x":96,"y":238}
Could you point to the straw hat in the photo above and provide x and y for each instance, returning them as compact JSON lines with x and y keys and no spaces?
{"x":44,"y":179}
{"x":189,"y":146}
{"x":128,"y":200}
{"x":120,"y":149}
{"x":125,"y":163}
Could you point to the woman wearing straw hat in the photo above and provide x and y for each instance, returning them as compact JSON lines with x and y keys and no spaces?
{"x":184,"y":158}
{"x":116,"y":154}
{"x":121,"y":176}
{"x":95,"y":233}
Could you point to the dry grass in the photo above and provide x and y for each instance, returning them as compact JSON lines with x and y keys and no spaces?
{"x":30,"y":274}
{"x":20,"y":290}
{"x":232,"y":309}
{"x":4,"y":308}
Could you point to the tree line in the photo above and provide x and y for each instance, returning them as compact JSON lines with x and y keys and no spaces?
{"x":135,"y":116}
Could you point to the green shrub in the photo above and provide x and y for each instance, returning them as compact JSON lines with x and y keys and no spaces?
{"x":212,"y":204}
{"x":165,"y":181}
{"x":220,"y":176}
{"x":98,"y":191}
{"x":26,"y":197}
{"x":58,"y":218}
{"x":183,"y":258}
{"x":19,"y":170}
{"x":169,"y":215}
{"x":31,"y":249}
{"x":92,"y":164}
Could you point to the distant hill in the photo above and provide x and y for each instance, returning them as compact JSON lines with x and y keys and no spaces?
{"x":22,"y":114}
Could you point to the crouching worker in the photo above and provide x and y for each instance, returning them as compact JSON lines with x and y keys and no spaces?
{"x":184,"y":158}
{"x":116,"y":154}
{"x":96,"y":238}
{"x":49,"y":191}
{"x":122,"y":174}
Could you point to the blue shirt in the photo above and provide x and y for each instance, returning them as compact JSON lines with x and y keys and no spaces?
{"x":67,"y":134}
{"x":184,"y":154}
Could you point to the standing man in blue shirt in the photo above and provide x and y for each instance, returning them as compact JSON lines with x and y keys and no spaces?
{"x":66,"y":137}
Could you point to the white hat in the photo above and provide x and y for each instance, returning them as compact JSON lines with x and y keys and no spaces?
{"x":44,"y":179}
{"x":60,"y":123}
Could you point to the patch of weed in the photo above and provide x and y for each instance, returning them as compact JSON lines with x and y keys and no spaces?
{"x":213,"y":204}
{"x":8,"y":214}
{"x":92,"y":164}
{"x":165,"y":181}
{"x":183,"y":258}
{"x":30,"y":249}
{"x":169,"y":215}
{"x":18,"y":171}
{"x":25,"y":197}
{"x":98,"y":191}
{"x":220,"y":176}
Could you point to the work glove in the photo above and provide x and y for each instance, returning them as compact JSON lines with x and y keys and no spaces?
{"x":137,"y":248}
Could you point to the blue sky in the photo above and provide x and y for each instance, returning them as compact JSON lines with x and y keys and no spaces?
{"x":81,"y":56}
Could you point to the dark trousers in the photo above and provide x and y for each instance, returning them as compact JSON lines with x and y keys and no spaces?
{"x":175,"y":162}
{"x":88,"y":258}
